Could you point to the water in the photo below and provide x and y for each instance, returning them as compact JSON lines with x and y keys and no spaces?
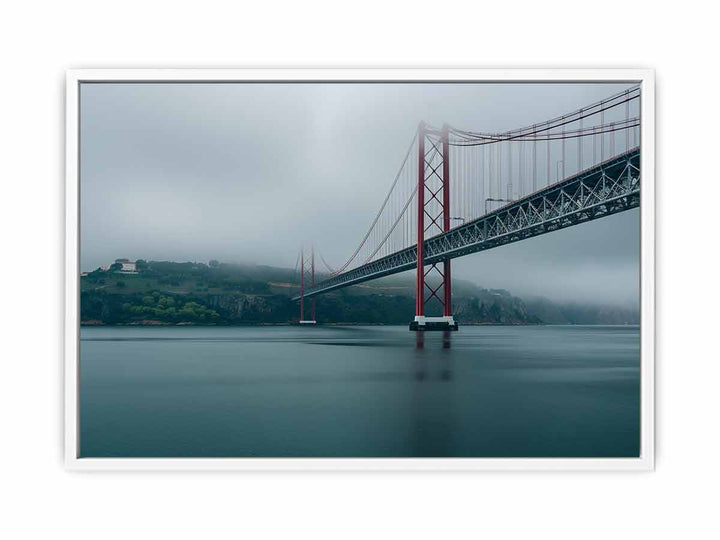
{"x":533,"y":391}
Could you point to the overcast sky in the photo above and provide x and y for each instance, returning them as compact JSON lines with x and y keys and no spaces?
{"x":249,"y":172}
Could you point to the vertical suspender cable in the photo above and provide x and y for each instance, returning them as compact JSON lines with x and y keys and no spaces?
{"x":627,"y":118}
{"x":534,"y":162}
{"x":562,"y":168}
{"x":602,"y":135}
{"x":580,"y":147}
{"x":547,"y":175}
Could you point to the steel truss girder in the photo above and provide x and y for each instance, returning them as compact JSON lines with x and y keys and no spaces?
{"x":606,"y":189}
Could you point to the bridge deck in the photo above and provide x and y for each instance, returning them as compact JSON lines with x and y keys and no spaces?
{"x":608,"y":188}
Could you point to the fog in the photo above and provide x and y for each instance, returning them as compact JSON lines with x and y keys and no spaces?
{"x":250,"y":172}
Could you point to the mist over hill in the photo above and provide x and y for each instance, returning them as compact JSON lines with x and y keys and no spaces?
{"x":163,"y":293}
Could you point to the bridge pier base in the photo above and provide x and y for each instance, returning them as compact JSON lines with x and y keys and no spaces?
{"x":425,"y":324}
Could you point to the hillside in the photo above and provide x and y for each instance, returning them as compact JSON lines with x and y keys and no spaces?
{"x":230,"y":294}
{"x":577,"y":313}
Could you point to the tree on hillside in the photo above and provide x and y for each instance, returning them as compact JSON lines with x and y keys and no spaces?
{"x":214,"y":264}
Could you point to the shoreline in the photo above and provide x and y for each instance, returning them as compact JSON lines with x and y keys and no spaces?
{"x":343,"y":324}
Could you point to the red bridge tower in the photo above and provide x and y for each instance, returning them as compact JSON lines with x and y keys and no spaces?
{"x":303,"y":270}
{"x":433,"y":198}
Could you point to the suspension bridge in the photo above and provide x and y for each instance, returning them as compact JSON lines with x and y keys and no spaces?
{"x":460,"y":192}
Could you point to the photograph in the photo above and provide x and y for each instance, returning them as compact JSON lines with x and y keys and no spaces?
{"x":359,"y":271}
{"x":408,"y":269}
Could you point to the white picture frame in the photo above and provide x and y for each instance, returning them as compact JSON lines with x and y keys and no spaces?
{"x":644,"y":77}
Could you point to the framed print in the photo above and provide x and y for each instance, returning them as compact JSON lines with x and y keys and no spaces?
{"x":380,"y":269}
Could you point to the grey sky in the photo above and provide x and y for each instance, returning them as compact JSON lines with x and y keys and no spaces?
{"x":249,"y":172}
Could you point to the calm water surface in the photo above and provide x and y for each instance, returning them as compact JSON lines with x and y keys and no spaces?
{"x":359,"y":392}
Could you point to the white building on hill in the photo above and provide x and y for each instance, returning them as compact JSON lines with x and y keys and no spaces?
{"x":128,"y":267}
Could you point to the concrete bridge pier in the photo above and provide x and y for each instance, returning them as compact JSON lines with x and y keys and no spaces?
{"x":423,"y":324}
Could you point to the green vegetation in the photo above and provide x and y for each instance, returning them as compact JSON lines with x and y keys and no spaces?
{"x":180,"y":278}
{"x":230,"y":294}
{"x":183,"y":293}
{"x":165,"y":308}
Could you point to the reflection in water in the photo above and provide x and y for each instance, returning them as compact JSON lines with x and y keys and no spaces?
{"x":446,"y":373}
{"x":420,"y":339}
{"x":433,"y":407}
{"x":446,"y":367}
{"x":359,"y":392}
{"x":446,"y":339}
